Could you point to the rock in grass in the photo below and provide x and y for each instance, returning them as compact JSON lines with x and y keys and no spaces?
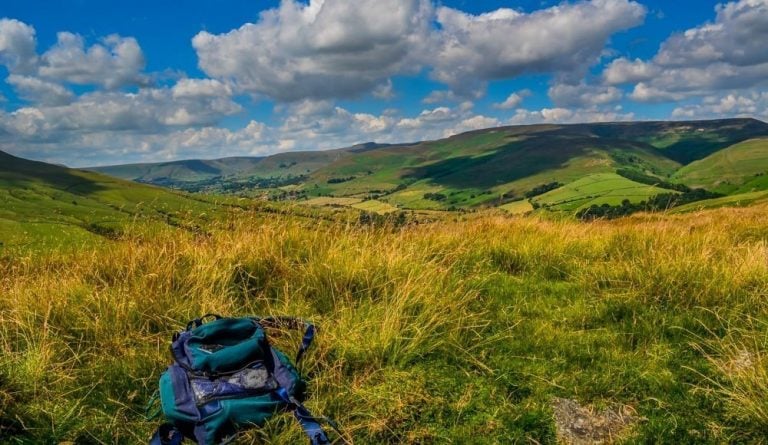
{"x":577,"y":425}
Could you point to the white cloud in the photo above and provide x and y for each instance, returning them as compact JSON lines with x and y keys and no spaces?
{"x":40,"y":91}
{"x":747,"y":104}
{"x":583,"y":95}
{"x":622,"y":71}
{"x":200,"y":88}
{"x":568,"y":116}
{"x":475,"y":123}
{"x":440,"y":96}
{"x":727,"y":54}
{"x":646,"y":93}
{"x":514,"y":100}
{"x":113,"y":63}
{"x":42,"y":79}
{"x":143,"y":127}
{"x":148,"y":111}
{"x":737,"y":37}
{"x":342,"y":48}
{"x":384,"y":91}
{"x":17,"y":46}
{"x":428,"y":118}
{"x":566,"y":38}
{"x":323,"y":49}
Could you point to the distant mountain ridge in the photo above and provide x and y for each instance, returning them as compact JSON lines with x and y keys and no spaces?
{"x":237,"y":167}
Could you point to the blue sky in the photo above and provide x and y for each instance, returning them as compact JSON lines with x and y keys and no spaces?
{"x":90,"y":82}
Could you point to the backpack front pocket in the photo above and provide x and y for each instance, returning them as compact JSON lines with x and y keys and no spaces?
{"x":253,"y":380}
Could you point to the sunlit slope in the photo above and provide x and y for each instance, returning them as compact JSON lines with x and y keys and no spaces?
{"x":597,"y":189}
{"x":737,"y":200}
{"x":39,"y":201}
{"x":737,"y":169}
{"x":484,"y":167}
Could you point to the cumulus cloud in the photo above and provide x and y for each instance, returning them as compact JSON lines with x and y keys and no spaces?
{"x":440,"y":97}
{"x":583,"y":95}
{"x":647,"y":93}
{"x":306,"y":54}
{"x":385,"y":91}
{"x":621,"y":71}
{"x":727,"y":54}
{"x":323,"y":49}
{"x":475,"y":123}
{"x":17,"y":46}
{"x":141,"y":127}
{"x":40,"y":91}
{"x":514,"y":100}
{"x":342,"y":48}
{"x":197,"y":88}
{"x":146,"y":112}
{"x":506,"y":43}
{"x":568,"y":116}
{"x":113,"y":63}
{"x":748,"y":104}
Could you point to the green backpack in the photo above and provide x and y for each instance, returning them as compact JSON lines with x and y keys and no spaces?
{"x":226,"y":377}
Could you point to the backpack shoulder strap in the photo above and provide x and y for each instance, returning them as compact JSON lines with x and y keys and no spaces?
{"x":309,"y":423}
{"x":293,"y":323}
{"x":311,"y":426}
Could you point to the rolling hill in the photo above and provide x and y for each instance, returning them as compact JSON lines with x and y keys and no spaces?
{"x":740,"y":168}
{"x":494,"y":167}
{"x":42,"y":202}
{"x":185,"y":174}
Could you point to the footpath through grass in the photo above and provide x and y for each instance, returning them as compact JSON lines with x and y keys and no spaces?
{"x":451,"y":332}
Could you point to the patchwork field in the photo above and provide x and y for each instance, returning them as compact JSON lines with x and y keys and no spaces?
{"x":517,"y":207}
{"x":598,"y":189}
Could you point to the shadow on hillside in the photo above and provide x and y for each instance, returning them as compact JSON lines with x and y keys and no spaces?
{"x":513,"y":161}
{"x":22,"y":173}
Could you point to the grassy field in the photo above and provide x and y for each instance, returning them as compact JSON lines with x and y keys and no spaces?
{"x":375,"y":206}
{"x":331,"y":201}
{"x":370,"y":205}
{"x":597,"y":189}
{"x":517,"y":207}
{"x":467,"y":330}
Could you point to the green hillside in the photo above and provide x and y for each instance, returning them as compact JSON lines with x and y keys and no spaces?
{"x":181,"y":171}
{"x":737,"y":200}
{"x":216,"y":173}
{"x":737,"y":169}
{"x":683,"y":141}
{"x":482,"y":168}
{"x":488,"y":168}
{"x":40,"y":202}
{"x":597,"y":189}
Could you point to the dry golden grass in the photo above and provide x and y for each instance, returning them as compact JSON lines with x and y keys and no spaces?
{"x":425,"y":331}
